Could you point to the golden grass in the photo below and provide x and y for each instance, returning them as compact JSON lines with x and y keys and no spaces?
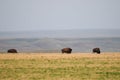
{"x":57,"y":66}
{"x":58,"y":55}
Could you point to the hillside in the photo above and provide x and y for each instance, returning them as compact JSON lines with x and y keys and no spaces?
{"x":56,"y":44}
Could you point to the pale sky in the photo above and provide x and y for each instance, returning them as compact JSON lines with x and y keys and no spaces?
{"x":21,"y":15}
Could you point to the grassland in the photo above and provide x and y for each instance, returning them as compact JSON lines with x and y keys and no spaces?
{"x":56,"y":66}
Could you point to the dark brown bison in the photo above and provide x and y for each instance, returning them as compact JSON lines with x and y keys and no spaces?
{"x":12,"y":51}
{"x":96,"y":50}
{"x":66,"y":50}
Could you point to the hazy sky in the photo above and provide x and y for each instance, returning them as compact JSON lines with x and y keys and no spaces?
{"x":59,"y":14}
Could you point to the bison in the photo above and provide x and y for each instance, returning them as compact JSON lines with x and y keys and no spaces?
{"x":66,"y":50}
{"x":96,"y":50}
{"x":12,"y":51}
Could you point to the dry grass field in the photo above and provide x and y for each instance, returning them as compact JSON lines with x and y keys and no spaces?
{"x":57,"y":66}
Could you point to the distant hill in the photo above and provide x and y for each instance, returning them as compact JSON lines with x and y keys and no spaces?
{"x":56,"y":44}
{"x":80,"y":33}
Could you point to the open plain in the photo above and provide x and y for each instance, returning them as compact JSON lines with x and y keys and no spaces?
{"x":57,"y":66}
